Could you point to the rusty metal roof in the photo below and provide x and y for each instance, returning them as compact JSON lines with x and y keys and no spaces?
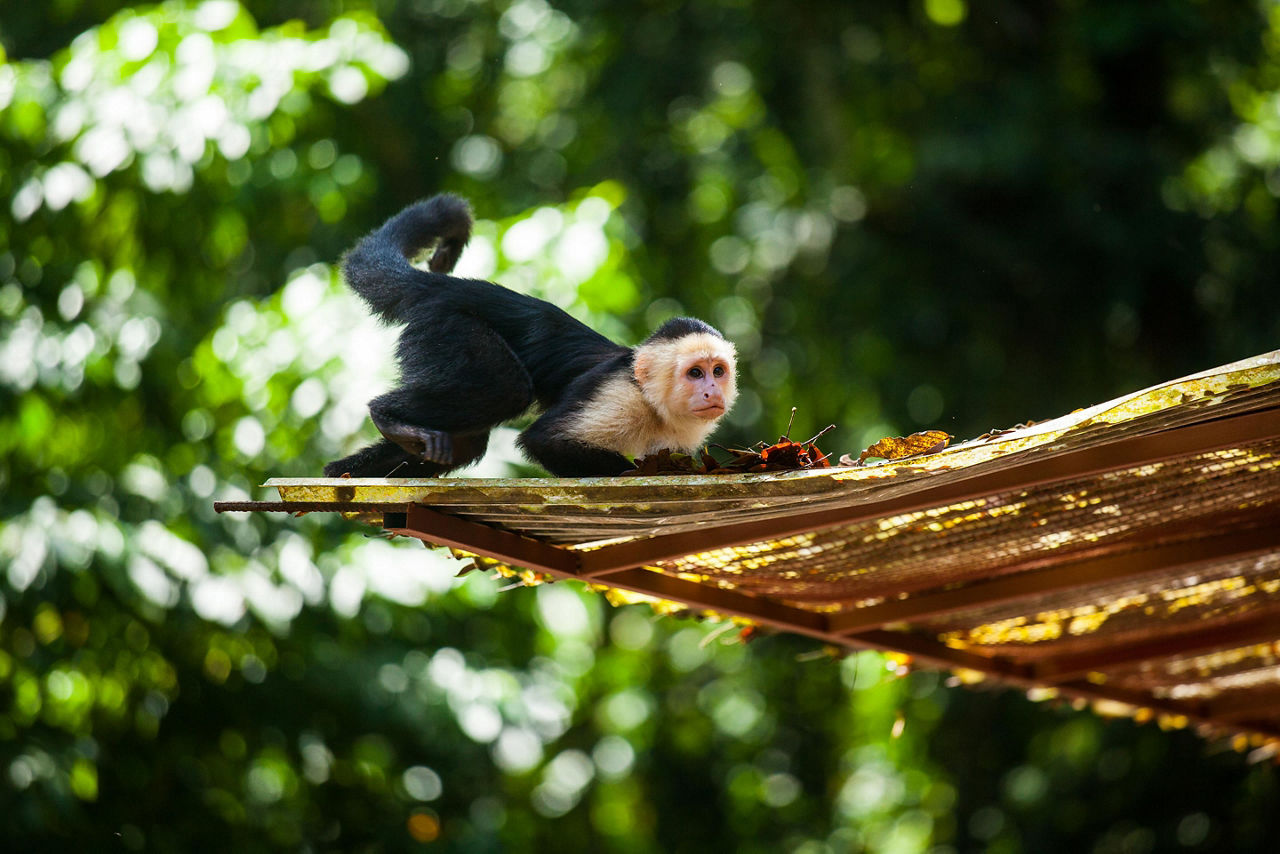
{"x":1127,"y":554}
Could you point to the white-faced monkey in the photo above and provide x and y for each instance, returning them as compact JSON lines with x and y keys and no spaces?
{"x":474,"y":354}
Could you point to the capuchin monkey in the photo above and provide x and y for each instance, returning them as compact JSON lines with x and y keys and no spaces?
{"x":474,"y":354}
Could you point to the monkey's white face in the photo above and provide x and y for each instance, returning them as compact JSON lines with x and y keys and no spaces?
{"x":691,"y":380}
{"x":705,"y":387}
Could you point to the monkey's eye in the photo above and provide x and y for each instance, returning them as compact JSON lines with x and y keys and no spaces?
{"x":695,"y":373}
{"x":719,"y":371}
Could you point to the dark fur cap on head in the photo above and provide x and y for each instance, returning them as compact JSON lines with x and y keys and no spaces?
{"x":679,"y":327}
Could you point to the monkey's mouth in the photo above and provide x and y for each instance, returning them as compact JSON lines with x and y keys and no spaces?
{"x":712,"y":410}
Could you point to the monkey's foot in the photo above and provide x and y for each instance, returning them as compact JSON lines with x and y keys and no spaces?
{"x":437,"y":447}
{"x":434,"y":446}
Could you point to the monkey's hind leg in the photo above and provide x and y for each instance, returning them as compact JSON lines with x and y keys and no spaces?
{"x":451,"y":395}
{"x":446,"y":426}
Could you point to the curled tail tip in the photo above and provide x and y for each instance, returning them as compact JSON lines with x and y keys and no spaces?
{"x":450,"y":217}
{"x":447,"y":212}
{"x":452,"y":203}
{"x":379,"y":268}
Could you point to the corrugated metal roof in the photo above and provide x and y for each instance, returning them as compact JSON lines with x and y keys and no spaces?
{"x":1127,"y":553}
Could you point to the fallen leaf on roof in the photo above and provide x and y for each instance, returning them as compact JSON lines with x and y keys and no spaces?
{"x":901,"y":447}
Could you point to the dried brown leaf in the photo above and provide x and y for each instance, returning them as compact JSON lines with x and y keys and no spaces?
{"x":901,"y":447}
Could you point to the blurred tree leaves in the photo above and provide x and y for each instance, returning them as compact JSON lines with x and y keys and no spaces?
{"x":943,"y":214}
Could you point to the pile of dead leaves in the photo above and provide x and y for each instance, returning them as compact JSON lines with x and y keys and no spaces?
{"x":786,"y":455}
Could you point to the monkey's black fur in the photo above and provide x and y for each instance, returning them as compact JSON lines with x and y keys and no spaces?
{"x":472,"y":355}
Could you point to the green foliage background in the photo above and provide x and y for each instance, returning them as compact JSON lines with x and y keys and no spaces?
{"x":935,"y":214}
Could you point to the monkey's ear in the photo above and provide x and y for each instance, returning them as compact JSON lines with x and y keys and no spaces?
{"x":643,"y":367}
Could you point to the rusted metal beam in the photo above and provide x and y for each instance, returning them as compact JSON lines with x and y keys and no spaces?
{"x":1016,"y":583}
{"x":442,"y":529}
{"x":706,"y":597}
{"x":305,"y":506}
{"x":1232,"y":431}
{"x":1244,"y":706}
{"x":1195,"y":712}
{"x":930,"y":651}
{"x":1262,"y":627}
{"x":439,"y":528}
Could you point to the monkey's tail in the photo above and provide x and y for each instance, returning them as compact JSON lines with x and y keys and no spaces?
{"x":378,"y":268}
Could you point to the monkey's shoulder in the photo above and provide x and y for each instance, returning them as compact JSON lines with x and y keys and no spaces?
{"x":617,"y":416}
